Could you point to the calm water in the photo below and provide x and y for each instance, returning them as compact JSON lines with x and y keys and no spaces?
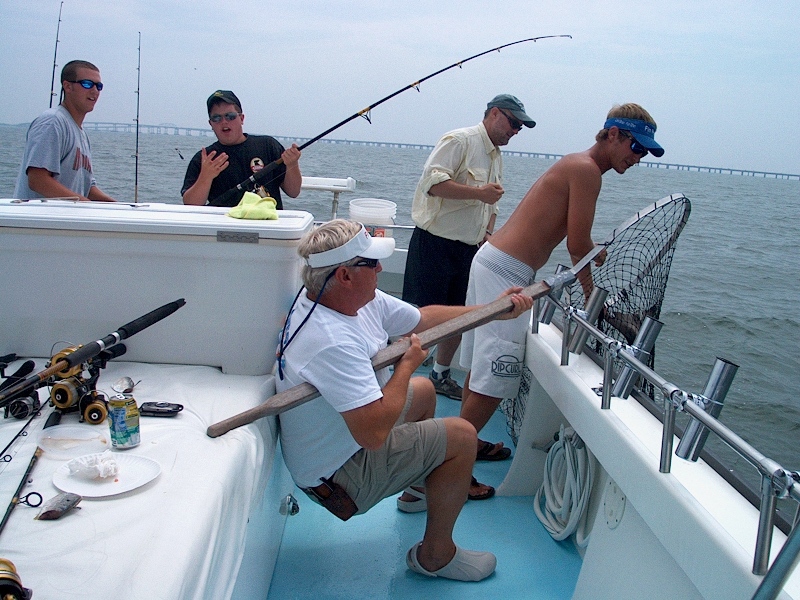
{"x":732,"y":291}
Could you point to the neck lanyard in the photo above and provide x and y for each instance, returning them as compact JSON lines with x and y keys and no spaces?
{"x":284,"y":343}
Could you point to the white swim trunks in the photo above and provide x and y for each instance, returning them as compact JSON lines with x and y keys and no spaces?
{"x":495,"y":352}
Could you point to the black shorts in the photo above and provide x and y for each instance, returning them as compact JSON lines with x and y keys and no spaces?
{"x":437,"y":270}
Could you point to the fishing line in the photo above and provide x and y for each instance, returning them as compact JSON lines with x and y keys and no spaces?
{"x":261,"y":176}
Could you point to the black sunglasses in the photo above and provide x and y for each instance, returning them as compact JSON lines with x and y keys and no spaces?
{"x":88,"y":84}
{"x":515,"y":124}
{"x":636,"y":147}
{"x":372,"y":263}
{"x":231,"y":116}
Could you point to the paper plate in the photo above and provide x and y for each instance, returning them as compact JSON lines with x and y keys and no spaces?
{"x":134,"y":472}
{"x":64,"y":442}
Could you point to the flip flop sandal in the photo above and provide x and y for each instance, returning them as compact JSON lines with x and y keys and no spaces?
{"x":466,"y":565}
{"x":413,"y":506}
{"x":485,"y":495}
{"x":485,"y":452}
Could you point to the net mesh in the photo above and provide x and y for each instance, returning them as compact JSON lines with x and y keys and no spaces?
{"x":635,"y":274}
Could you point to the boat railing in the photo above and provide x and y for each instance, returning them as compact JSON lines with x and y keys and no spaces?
{"x":776,"y":481}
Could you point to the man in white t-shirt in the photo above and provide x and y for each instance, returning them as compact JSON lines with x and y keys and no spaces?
{"x":372,"y":434}
{"x":58,"y":158}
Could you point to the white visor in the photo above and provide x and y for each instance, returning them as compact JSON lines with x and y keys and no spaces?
{"x":362,"y":244}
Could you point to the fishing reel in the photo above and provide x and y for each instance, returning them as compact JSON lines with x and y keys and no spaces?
{"x":75,"y":388}
{"x":10,"y":583}
{"x":25,"y":403}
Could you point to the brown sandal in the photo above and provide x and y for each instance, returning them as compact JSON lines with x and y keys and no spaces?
{"x":485,"y":495}
{"x":493,"y":452}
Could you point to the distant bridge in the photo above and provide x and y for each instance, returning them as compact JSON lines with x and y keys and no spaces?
{"x":171,"y":129}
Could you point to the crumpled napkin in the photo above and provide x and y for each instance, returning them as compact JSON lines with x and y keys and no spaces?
{"x":253,"y":206}
{"x":94,"y":466}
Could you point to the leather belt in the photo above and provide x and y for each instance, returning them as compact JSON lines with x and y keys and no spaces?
{"x":322,"y":491}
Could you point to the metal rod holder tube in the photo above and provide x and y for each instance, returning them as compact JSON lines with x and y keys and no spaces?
{"x":665,"y":465}
{"x":593,"y":307}
{"x":608,"y":372}
{"x":549,"y":309}
{"x":565,"y":336}
{"x":642,"y":345}
{"x":782,"y":568}
{"x":696,"y":434}
{"x":537,"y":309}
{"x":766,"y":520}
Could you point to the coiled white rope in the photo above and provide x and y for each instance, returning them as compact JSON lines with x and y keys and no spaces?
{"x":561,"y":502}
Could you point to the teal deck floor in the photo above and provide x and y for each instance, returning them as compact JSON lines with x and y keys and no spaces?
{"x":322,"y":557}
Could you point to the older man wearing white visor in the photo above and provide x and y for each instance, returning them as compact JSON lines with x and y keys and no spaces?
{"x":371,"y":434}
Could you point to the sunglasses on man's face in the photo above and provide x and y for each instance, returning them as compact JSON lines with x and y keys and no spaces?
{"x":231,"y":116}
{"x":515,"y":124}
{"x":88,"y":84}
{"x":372,"y":263}
{"x":636,"y":147}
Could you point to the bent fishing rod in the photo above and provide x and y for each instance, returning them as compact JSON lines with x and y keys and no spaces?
{"x":90,"y":350}
{"x":304,"y":392}
{"x":261,"y":175}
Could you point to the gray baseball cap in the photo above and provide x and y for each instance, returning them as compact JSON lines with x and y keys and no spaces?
{"x":514,"y":106}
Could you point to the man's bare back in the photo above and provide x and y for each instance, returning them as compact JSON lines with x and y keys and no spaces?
{"x":561,"y":203}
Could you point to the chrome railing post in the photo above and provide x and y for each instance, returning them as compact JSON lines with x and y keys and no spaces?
{"x":782,"y":567}
{"x":593,"y":307}
{"x":719,"y":382}
{"x":335,"y":205}
{"x":642,"y":345}
{"x":668,"y":433}
{"x":766,"y":521}
{"x":565,"y":335}
{"x":608,"y":372}
{"x":537,"y":309}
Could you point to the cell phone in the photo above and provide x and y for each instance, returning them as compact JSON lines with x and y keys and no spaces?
{"x":159,"y":409}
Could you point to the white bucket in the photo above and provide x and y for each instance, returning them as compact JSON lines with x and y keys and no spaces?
{"x":374,"y":212}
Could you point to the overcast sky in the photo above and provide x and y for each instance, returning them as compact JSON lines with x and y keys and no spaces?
{"x":721,"y":79}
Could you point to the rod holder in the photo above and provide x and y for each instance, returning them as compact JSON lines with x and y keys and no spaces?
{"x":719,"y":382}
{"x":549,"y":309}
{"x":668,"y":432}
{"x":565,"y":334}
{"x":642,"y":345}
{"x":593,"y":307}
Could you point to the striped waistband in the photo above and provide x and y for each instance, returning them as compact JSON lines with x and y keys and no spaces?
{"x":504,"y":265}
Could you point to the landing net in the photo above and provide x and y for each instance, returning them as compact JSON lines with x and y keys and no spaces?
{"x":635,"y":274}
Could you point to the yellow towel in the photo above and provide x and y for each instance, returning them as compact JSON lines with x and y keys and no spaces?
{"x":253,"y":206}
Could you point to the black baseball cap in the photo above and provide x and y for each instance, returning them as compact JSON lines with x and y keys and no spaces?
{"x":226,"y":96}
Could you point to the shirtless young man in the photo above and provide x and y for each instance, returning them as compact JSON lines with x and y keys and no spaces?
{"x":561,"y":203}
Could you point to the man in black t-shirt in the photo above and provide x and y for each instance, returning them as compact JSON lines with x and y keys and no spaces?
{"x":235,"y":157}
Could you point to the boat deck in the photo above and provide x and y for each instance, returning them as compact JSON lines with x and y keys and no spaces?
{"x":318,"y":552}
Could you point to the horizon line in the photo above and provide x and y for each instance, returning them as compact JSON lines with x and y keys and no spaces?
{"x":172,"y":129}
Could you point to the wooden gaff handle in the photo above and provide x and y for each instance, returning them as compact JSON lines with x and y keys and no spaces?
{"x":300,"y":394}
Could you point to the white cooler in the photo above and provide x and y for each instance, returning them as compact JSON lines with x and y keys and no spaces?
{"x":75,"y":272}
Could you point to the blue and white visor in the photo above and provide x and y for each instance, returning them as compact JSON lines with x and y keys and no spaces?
{"x":642,"y":131}
{"x":362,"y":244}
